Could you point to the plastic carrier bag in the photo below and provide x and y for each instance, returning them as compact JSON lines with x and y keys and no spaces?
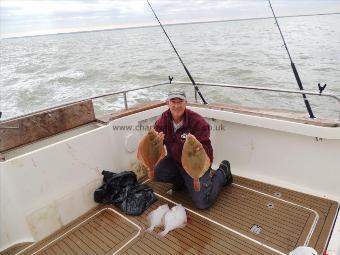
{"x":123,"y":190}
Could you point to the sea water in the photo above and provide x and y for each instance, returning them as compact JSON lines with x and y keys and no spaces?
{"x":43,"y":71}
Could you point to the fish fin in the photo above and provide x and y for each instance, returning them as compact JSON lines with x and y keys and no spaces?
{"x":185,"y":161}
{"x":197,"y":185}
{"x":162,"y":234}
{"x":150,"y":229}
{"x":183,"y":225}
{"x":207,"y":162}
{"x":146,"y":160}
{"x":140,"y":157}
{"x":163,"y":153}
{"x":142,"y":153}
{"x":160,"y":157}
{"x":151,"y":174}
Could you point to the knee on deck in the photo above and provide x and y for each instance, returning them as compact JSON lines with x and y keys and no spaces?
{"x":202,"y":203}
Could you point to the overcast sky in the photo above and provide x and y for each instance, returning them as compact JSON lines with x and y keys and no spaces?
{"x":25,"y":17}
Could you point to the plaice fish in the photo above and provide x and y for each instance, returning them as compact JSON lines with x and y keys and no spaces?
{"x":155,"y":218}
{"x":174,"y":218}
{"x":150,"y":151}
{"x":303,"y":250}
{"x":195,"y":160}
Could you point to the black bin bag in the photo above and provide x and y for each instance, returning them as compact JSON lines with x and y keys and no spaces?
{"x":113,"y":184}
{"x":123,"y":190}
{"x":137,"y":199}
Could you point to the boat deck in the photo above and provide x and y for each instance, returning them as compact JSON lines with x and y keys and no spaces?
{"x":249,"y":217}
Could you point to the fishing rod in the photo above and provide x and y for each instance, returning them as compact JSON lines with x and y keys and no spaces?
{"x":297,"y":77}
{"x":185,"y":68}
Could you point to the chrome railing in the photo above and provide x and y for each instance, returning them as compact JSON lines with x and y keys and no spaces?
{"x":260,"y":88}
{"x":124,"y":93}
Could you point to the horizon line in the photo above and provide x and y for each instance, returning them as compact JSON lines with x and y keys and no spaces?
{"x":173,"y":24}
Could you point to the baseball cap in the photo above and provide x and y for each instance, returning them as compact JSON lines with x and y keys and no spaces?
{"x":177,"y":94}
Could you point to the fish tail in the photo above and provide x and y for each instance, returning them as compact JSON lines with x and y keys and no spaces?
{"x":150,"y":229}
{"x":163,"y":233}
{"x":197,"y":185}
{"x":152,"y":174}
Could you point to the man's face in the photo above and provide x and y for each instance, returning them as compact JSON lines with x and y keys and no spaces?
{"x":177,"y":107}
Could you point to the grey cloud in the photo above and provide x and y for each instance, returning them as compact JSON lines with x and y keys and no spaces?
{"x":133,"y":13}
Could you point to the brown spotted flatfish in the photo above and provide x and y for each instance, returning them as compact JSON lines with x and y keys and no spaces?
{"x":195,"y":160}
{"x":150,"y":151}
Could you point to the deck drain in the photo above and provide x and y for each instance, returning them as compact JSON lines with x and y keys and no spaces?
{"x":277,"y":194}
{"x":270,"y":205}
{"x":256,"y":229}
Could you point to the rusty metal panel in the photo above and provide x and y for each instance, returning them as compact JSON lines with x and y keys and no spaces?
{"x":27,"y":129}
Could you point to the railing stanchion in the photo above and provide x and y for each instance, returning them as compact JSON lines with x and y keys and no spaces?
{"x":195,"y":95}
{"x":125,"y":101}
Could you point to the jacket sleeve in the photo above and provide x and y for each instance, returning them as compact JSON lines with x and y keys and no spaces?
{"x":159,"y":124}
{"x":202,"y":134}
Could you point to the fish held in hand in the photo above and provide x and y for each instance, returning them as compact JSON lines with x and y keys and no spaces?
{"x":174,"y":218}
{"x":195,"y":160}
{"x":151,"y":150}
{"x":155,"y":218}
